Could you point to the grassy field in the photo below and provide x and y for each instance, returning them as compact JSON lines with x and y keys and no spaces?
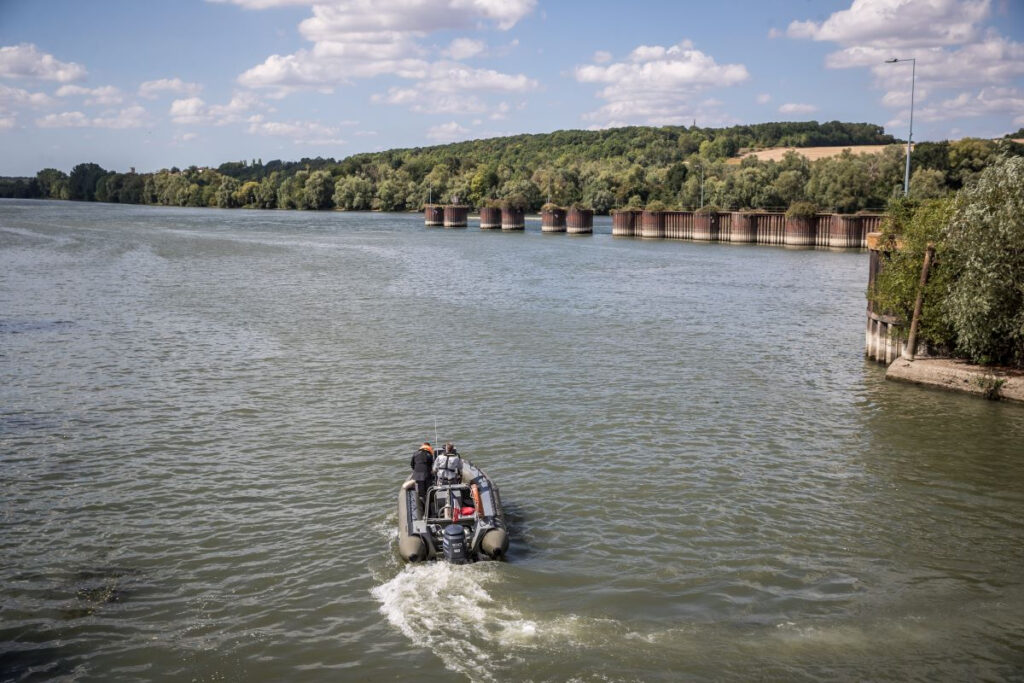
{"x":812,"y":153}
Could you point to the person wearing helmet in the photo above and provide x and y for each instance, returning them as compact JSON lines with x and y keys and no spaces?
{"x":422,"y":464}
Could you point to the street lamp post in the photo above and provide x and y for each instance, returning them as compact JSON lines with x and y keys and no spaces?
{"x":910,"y":135}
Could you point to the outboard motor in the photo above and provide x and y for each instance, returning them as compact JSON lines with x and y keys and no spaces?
{"x":454,"y":544}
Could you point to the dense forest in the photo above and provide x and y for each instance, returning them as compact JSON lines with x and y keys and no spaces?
{"x":606,"y":169}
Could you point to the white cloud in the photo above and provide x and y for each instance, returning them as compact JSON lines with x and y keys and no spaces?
{"x":447,"y":132}
{"x":410,"y":14}
{"x":18,"y":97}
{"x":300,"y":132}
{"x":953,"y":52}
{"x":194,"y":111}
{"x":423,"y":101}
{"x":7,"y":122}
{"x":104,"y":95}
{"x":659,"y":85}
{"x":988,"y":101}
{"x":601,"y":57}
{"x":358,"y":39}
{"x":501,"y":112}
{"x":764,"y":98}
{"x":130,"y":117}
{"x":991,"y":61}
{"x":797,"y":108}
{"x":175,"y":86}
{"x":26,"y":61}
{"x":189,"y":110}
{"x":445,"y":84}
{"x":455,"y":77}
{"x":67,"y":119}
{"x":464,"y":48}
{"x":894,"y":24}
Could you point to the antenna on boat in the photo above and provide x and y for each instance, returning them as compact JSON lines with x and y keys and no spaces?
{"x":436,"y":440}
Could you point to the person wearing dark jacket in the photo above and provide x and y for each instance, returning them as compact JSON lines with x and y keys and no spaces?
{"x":422,"y":464}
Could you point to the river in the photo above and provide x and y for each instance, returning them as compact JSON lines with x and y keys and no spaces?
{"x":205,"y":416}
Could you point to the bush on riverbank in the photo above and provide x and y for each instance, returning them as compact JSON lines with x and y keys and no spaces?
{"x":986,"y":242}
{"x":974,"y":299}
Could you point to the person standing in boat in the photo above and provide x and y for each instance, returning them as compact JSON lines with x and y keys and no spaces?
{"x":448,"y":471}
{"x":448,"y":466}
{"x":422,"y":464}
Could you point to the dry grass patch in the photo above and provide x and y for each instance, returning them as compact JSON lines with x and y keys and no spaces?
{"x":811,"y":153}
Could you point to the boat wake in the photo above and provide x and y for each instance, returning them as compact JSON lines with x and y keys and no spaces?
{"x":449,"y":610}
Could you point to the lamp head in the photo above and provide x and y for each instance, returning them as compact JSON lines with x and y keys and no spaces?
{"x":891,"y":61}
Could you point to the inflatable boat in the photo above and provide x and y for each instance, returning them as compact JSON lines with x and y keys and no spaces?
{"x":461,"y":522}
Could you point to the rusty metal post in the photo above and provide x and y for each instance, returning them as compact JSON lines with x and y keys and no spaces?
{"x":911,"y":347}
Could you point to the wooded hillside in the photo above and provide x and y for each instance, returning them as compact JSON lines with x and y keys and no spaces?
{"x":605,"y":169}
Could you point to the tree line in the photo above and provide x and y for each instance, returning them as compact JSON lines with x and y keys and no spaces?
{"x":631,"y":167}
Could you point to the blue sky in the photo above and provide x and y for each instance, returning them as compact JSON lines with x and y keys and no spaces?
{"x":150,"y":85}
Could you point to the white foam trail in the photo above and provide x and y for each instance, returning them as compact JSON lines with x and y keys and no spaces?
{"x":448,"y":610}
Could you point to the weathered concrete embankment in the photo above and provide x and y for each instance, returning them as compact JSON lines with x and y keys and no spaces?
{"x":957,"y":375}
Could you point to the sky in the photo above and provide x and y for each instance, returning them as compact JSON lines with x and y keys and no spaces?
{"x":150,"y":85}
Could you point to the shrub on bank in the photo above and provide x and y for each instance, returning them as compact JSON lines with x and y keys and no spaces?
{"x":805,"y":210}
{"x":985,"y":239}
{"x":916,"y":225}
{"x":974,"y":299}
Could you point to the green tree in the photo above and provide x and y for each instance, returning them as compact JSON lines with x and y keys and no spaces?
{"x":318,"y":190}
{"x":914,"y":225}
{"x":986,"y":243}
{"x":53,"y":184}
{"x":968,"y":157}
{"x":265,"y":195}
{"x":484,"y":183}
{"x":246,"y":194}
{"x":390,"y":195}
{"x":82,"y":181}
{"x":928,"y":183}
{"x":353,"y":193}
{"x":225,"y":195}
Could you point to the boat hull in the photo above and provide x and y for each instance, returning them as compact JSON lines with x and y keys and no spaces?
{"x":473,"y":503}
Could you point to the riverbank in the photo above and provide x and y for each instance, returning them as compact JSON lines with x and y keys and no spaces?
{"x":1000,"y":384}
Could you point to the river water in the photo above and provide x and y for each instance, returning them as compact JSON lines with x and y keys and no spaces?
{"x":205,"y":416}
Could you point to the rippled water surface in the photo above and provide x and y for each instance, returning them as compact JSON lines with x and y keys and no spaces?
{"x":205,"y":415}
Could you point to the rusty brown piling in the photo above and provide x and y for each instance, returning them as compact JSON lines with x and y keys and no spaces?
{"x":513,"y":219}
{"x":705,"y":226}
{"x":433,"y":215}
{"x":625,"y":223}
{"x":652,"y":224}
{"x":845,"y":232}
{"x":490,"y":218}
{"x":743,"y":228}
{"x":580,"y":221}
{"x":552,"y":219}
{"x":800,"y":231}
{"x":456,"y":215}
